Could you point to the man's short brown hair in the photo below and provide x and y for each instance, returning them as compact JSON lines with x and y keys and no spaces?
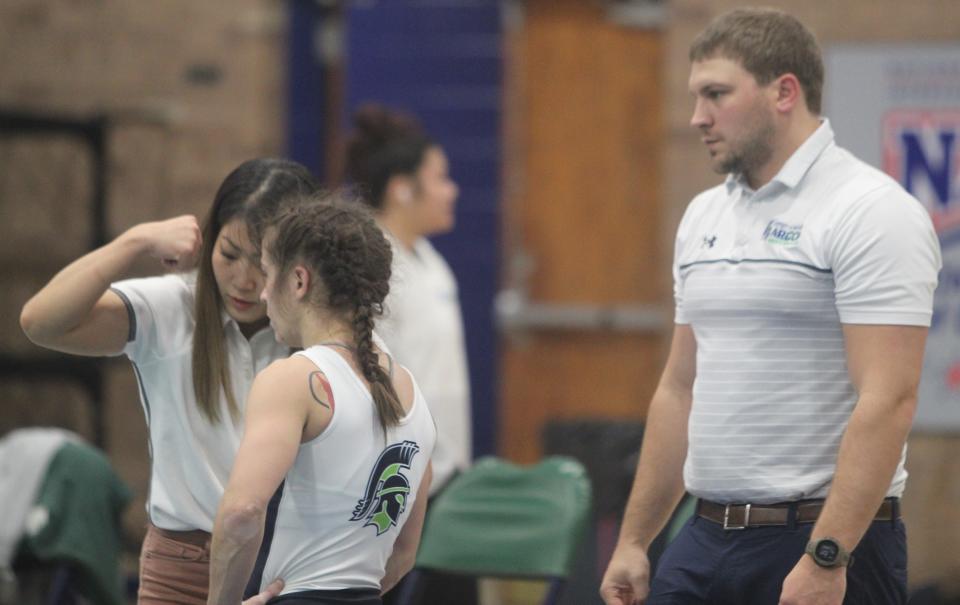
{"x":767,"y":43}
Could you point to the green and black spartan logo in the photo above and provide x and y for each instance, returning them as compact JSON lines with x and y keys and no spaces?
{"x":387,"y":490}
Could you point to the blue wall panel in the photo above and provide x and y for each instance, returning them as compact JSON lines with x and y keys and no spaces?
{"x":441,"y":60}
{"x":306,"y":88}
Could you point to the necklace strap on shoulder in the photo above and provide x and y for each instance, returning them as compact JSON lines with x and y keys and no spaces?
{"x":342,"y":345}
{"x":353,"y":349}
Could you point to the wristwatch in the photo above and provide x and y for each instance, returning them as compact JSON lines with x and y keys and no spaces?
{"x":827,"y":552}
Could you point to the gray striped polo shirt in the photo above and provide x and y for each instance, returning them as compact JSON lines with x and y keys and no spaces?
{"x":766,"y":279}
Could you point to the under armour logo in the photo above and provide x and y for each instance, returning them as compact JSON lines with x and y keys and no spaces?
{"x":708,"y":242}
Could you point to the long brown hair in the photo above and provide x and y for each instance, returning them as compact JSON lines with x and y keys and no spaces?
{"x":254,"y":191}
{"x":339,"y":242}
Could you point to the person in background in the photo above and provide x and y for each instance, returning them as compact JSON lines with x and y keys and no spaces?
{"x":341,"y":429}
{"x":404,"y":176}
{"x":804,"y":289}
{"x":196,"y":340}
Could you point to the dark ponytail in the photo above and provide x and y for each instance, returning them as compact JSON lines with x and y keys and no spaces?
{"x":384,"y":143}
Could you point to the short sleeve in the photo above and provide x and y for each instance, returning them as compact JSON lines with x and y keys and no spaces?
{"x":678,"y":248}
{"x":885,"y":257}
{"x":161,"y":315}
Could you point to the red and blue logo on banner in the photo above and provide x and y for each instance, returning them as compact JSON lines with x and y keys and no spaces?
{"x":922,"y":151}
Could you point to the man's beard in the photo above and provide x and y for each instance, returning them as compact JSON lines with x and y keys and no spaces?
{"x":752,"y":152}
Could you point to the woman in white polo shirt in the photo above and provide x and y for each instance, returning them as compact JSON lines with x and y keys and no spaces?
{"x":338,"y":427}
{"x":196,"y":341}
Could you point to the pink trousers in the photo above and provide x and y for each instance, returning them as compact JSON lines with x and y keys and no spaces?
{"x":174,"y":567}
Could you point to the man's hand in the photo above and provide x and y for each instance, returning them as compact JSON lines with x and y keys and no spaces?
{"x":627,"y":580}
{"x":272,"y":590}
{"x":810,"y":584}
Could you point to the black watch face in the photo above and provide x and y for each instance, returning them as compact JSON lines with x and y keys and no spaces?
{"x":827,"y":551}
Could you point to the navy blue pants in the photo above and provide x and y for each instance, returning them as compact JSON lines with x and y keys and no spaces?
{"x":706,"y":564}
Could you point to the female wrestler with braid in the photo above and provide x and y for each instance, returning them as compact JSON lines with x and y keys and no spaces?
{"x":337,"y":431}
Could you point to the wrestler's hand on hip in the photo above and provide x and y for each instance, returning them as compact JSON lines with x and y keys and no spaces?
{"x":627,"y":579}
{"x":272,"y":590}
{"x":810,"y":584}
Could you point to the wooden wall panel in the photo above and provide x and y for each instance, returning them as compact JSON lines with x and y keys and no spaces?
{"x":583,"y":143}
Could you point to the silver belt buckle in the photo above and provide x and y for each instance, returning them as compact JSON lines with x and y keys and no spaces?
{"x":726,"y":517}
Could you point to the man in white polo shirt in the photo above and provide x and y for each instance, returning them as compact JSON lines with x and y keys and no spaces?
{"x":804,"y":287}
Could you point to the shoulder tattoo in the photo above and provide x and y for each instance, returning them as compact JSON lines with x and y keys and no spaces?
{"x":317,"y":382}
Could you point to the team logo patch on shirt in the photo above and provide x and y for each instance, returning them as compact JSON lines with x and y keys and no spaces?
{"x":782,"y":234}
{"x":388,"y":489}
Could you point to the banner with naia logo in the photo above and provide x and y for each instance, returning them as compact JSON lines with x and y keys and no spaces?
{"x":898,"y":107}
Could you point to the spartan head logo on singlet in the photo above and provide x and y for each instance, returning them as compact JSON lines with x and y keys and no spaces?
{"x":387,"y":490}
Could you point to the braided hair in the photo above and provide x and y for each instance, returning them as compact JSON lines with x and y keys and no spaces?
{"x":339,"y":242}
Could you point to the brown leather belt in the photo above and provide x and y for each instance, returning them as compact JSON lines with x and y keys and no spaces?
{"x":195,"y":537}
{"x":742,"y":516}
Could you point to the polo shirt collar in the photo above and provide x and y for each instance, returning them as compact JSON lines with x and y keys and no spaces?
{"x":796,"y":167}
{"x":227,"y":320}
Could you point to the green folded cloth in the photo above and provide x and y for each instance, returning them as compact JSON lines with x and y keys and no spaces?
{"x":76,"y":519}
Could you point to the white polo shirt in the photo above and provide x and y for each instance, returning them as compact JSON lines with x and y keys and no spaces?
{"x":423,"y":327}
{"x":190,"y":458}
{"x":765,"y":279}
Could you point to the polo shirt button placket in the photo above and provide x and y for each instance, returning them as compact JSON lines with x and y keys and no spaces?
{"x":739,"y":244}
{"x":743,"y":225}
{"x":248,"y":363}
